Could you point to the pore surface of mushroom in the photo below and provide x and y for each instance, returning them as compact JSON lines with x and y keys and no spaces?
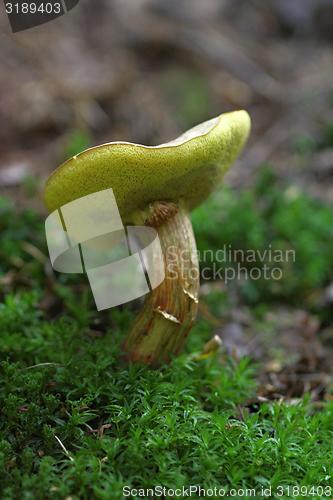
{"x":158,"y":186}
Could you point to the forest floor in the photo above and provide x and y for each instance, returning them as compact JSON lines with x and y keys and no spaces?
{"x":76,"y":422}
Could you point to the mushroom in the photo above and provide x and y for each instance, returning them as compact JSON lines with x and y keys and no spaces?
{"x":158,"y":186}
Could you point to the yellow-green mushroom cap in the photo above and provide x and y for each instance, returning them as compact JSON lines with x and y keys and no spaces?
{"x":185,"y":170}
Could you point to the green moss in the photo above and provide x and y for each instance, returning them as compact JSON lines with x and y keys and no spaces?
{"x":326,"y":139}
{"x":63,"y":380}
{"x":188,"y":95}
{"x":273,"y":216}
{"x":174,"y":427}
{"x":77,"y":141}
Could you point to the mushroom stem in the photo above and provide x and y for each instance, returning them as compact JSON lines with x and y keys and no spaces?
{"x":160,"y":330}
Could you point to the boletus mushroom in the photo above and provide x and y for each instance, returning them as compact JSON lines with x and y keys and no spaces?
{"x":158,"y":186}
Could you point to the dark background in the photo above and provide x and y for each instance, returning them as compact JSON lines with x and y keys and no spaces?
{"x":145,"y":70}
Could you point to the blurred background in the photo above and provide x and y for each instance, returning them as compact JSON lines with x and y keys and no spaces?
{"x":145,"y":71}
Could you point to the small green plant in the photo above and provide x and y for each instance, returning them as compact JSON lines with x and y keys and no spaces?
{"x":188,"y":95}
{"x":77,"y":141}
{"x":307,"y":145}
{"x":326,"y":139}
{"x":14,"y":233}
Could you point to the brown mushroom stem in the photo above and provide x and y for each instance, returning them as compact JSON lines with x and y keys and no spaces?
{"x":160,"y":330}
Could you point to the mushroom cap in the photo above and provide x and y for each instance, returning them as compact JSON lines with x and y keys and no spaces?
{"x":185,"y":170}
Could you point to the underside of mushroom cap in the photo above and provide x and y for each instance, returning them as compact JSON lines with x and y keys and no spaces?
{"x":186,"y":169}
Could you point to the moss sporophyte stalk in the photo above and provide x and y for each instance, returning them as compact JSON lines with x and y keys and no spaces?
{"x":158,"y":186}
